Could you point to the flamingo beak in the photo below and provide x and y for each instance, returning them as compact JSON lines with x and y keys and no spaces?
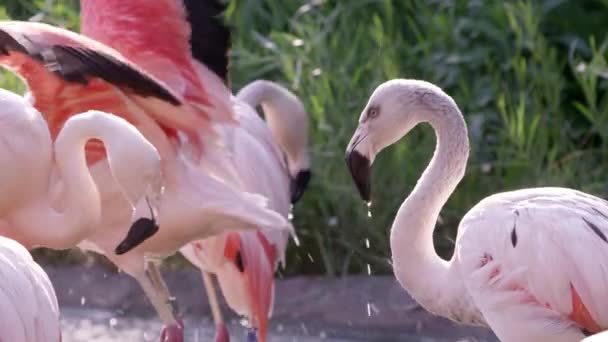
{"x":359,"y":165}
{"x":142,"y":229}
{"x":299,"y":185}
{"x":257,"y":258}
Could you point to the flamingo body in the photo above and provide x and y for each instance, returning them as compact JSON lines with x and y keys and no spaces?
{"x":28,"y":305}
{"x":272,"y":159}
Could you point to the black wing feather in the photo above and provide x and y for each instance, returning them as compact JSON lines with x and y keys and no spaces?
{"x":210,"y":39}
{"x":77,"y":64}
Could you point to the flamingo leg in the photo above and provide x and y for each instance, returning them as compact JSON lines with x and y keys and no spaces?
{"x":158,"y":293}
{"x":221,"y":334}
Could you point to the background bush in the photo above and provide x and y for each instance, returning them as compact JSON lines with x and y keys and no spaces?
{"x":529,"y":76}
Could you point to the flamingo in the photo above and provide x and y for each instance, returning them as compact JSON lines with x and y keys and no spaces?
{"x":244,"y":262}
{"x":66,"y":72}
{"x":28,"y":304}
{"x":70,"y":212}
{"x":530,"y":263}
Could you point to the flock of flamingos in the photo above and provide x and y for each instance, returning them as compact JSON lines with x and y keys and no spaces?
{"x":130,"y":143}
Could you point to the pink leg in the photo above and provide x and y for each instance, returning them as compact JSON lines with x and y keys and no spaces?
{"x":158,"y":294}
{"x":221,"y":333}
{"x":173,"y":332}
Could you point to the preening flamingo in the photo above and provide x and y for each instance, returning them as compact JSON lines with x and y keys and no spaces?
{"x":66,"y":72}
{"x":50,"y":197}
{"x":28,"y":305}
{"x":532,"y":264}
{"x":244,"y":262}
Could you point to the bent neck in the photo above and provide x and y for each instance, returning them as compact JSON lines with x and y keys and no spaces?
{"x":80,"y":199}
{"x":416,"y":264}
{"x":286,"y":118}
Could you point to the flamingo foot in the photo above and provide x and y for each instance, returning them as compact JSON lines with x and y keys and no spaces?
{"x":221,"y":333}
{"x":252,"y":335}
{"x":173,"y":332}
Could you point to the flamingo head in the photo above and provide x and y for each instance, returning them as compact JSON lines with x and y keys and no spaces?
{"x":394,"y":108}
{"x":247,"y":280}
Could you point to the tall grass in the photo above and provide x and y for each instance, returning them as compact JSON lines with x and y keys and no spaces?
{"x":529,"y":76}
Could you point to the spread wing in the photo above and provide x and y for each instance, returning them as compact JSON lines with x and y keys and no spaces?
{"x":68,"y":73}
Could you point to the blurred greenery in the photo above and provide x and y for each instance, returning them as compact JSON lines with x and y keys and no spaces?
{"x":529,"y":76}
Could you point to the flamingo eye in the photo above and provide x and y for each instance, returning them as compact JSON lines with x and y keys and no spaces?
{"x":373,"y":112}
{"x":238,"y":262}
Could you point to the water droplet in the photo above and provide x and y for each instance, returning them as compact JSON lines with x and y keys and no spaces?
{"x":369,"y":269}
{"x":369,"y":209}
{"x":290,"y":214}
{"x":311,"y":258}
{"x":295,"y":238}
{"x":332,"y":221}
{"x":83,"y":301}
{"x":113,"y":322}
{"x":366,"y":243}
{"x":369,"y":309}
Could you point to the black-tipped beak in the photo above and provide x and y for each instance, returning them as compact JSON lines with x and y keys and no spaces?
{"x":299,"y":185}
{"x":360,"y":170}
{"x":139,"y":232}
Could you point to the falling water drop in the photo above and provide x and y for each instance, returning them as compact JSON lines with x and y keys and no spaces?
{"x":113,"y":322}
{"x":369,"y":269}
{"x":83,"y":301}
{"x":369,"y":209}
{"x":290,"y":214}
{"x":311,"y":258}
{"x":369,"y":309}
{"x":367,"y":243}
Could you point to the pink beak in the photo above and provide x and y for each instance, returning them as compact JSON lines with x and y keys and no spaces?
{"x":257,"y":257}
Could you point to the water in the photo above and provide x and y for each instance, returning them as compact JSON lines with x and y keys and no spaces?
{"x":93,"y":325}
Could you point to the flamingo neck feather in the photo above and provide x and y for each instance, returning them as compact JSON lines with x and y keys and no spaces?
{"x":286,"y":118}
{"x":428,"y":278}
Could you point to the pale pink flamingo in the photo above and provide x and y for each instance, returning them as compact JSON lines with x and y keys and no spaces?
{"x":244,"y":262}
{"x":530,"y":264}
{"x":66,"y":72}
{"x":28,"y":305}
{"x":51,"y":199}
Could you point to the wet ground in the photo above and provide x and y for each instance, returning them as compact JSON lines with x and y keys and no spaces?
{"x":97,"y":305}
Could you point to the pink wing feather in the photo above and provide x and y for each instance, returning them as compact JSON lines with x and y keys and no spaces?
{"x":68,"y":73}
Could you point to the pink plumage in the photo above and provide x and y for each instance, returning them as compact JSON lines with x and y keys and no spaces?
{"x":28,"y":305}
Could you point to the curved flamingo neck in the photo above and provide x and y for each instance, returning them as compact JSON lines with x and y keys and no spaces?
{"x":285,"y":117}
{"x":79,"y":210}
{"x":428,"y":278}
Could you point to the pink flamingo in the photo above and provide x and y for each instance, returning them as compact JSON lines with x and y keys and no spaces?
{"x":50,"y":184}
{"x":67,"y":72}
{"x":531,"y":264}
{"x":244,"y":262}
{"x":28,"y":305}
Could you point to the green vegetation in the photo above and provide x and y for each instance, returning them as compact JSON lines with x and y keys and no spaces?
{"x":530,"y":77}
